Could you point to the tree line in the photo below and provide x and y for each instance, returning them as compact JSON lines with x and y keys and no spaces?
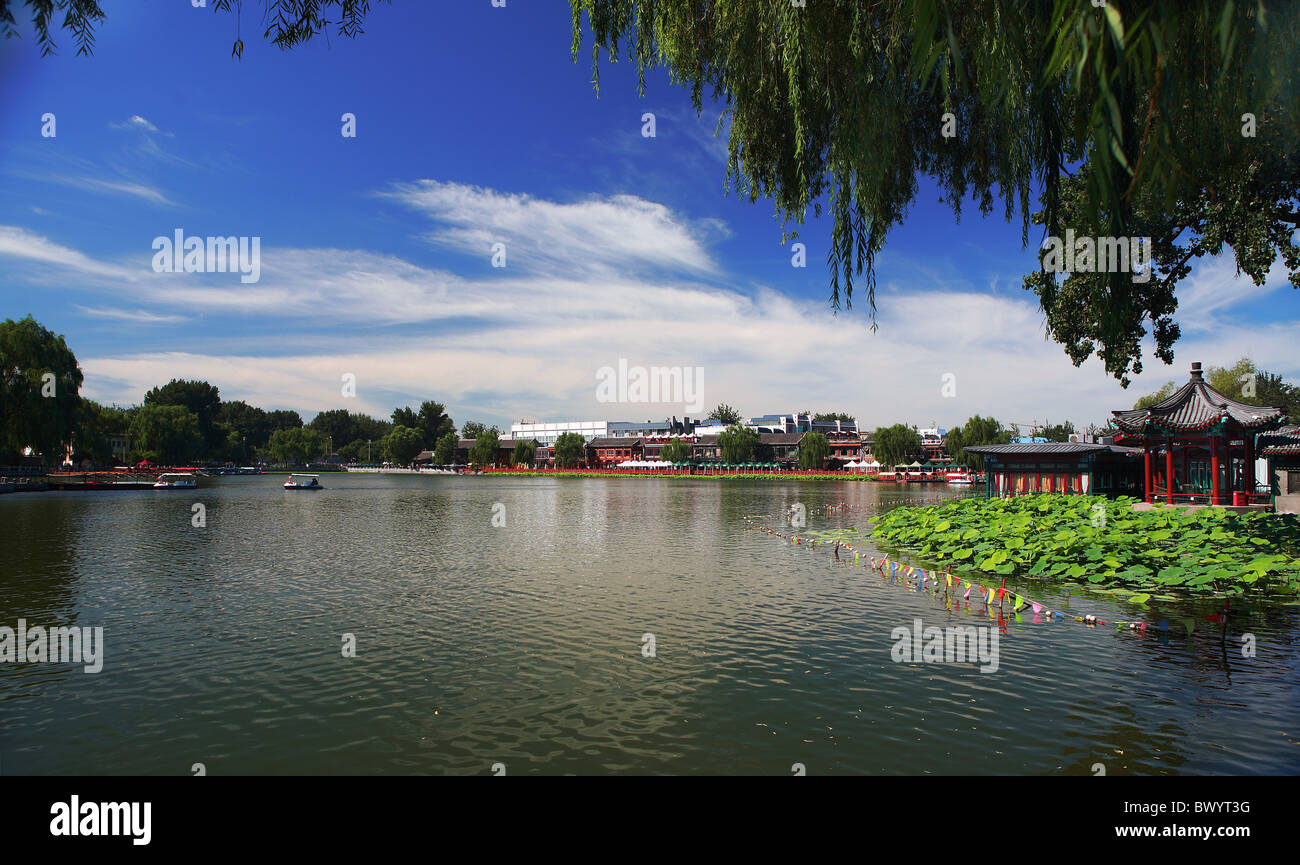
{"x":184,"y":422}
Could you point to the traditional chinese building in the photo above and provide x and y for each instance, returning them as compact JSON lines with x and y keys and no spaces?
{"x":1093,"y":468}
{"x":610,"y":451}
{"x":1282,"y":450}
{"x":1198,"y":445}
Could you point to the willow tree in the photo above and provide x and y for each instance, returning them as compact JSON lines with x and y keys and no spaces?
{"x":40,"y":405}
{"x":1174,"y":121}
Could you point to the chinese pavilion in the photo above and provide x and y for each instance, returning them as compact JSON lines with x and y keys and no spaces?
{"x":1198,"y":445}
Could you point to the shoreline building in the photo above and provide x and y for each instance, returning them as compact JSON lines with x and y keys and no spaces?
{"x":1092,"y":468}
{"x":1198,"y":445}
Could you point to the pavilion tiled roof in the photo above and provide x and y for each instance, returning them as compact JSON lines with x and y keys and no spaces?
{"x":1196,"y":406}
{"x":1281,"y":442}
{"x":1049,"y":448}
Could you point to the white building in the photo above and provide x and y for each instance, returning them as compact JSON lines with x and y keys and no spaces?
{"x":547,"y":433}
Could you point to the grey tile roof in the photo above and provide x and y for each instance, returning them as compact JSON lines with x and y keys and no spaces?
{"x":1049,"y":448}
{"x":1195,"y":406}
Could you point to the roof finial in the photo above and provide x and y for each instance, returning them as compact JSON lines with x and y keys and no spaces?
{"x":1196,"y":370}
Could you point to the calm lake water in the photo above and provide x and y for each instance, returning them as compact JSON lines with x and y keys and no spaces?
{"x":522,"y":644}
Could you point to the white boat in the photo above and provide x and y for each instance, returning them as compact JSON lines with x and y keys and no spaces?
{"x":303,"y":482}
{"x":176,"y":481}
{"x":960,"y":477}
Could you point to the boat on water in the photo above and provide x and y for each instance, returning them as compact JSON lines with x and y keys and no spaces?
{"x":960,"y":476}
{"x":176,"y":481}
{"x":303,"y":482}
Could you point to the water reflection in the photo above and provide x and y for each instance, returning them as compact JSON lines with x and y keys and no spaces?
{"x":522,"y":643}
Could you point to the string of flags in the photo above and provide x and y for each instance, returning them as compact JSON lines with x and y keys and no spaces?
{"x":918,"y":578}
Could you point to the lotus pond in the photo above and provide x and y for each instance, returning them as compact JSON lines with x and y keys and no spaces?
{"x":1163,"y":554}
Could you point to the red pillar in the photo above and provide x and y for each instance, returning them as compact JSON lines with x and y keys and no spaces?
{"x":1169,"y":471}
{"x":1214,"y":471}
{"x":1249,"y":467}
{"x":1146,"y":473}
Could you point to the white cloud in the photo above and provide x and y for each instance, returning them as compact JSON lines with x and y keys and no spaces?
{"x":528,"y":340}
{"x":613,"y":234}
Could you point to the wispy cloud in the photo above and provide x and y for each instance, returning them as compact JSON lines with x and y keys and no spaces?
{"x":612,"y":234}
{"x":139,"y":316}
{"x":116,"y":187}
{"x":135,"y":121}
{"x":528,"y":339}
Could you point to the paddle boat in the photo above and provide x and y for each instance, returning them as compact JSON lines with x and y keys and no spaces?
{"x":176,"y":481}
{"x":303,"y":482}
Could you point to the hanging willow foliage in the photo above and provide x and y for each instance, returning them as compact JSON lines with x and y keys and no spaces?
{"x":1124,"y":119}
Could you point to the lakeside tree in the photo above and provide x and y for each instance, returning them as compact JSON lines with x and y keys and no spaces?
{"x":813,"y":450}
{"x":405,"y":416}
{"x":842,"y":416}
{"x":295,"y":446}
{"x":738,"y":444}
{"x":166,"y":434}
{"x":676,"y":451}
{"x":895,"y":445}
{"x":570,"y":449}
{"x":444,"y":452}
{"x":247,"y":428}
{"x":403,"y":444}
{"x":725,"y":413}
{"x":434,"y":422}
{"x":200,"y":398}
{"x":1060,"y":432}
{"x":473,"y":429}
{"x":523,"y":454}
{"x":95,"y":425}
{"x":40,"y":382}
{"x":484,"y":450}
{"x":1170,"y":121}
{"x":976,"y":431}
{"x":340,"y":425}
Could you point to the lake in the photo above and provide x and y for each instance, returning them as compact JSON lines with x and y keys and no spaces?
{"x":501,"y":621}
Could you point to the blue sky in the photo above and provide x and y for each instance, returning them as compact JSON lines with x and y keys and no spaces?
{"x":475,"y":127}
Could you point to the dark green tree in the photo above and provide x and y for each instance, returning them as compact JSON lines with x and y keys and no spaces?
{"x":473,"y":428}
{"x":444,"y":453}
{"x":200,"y":398}
{"x":523,"y":454}
{"x":976,"y":431}
{"x":1060,"y":432}
{"x":295,"y":446}
{"x":40,"y":405}
{"x":738,"y":444}
{"x":96,"y":423}
{"x":403,"y":444}
{"x":570,"y":450}
{"x":895,"y":445}
{"x":676,"y":451}
{"x":434,"y":421}
{"x":726,"y":414}
{"x":166,"y":434}
{"x":485,"y":449}
{"x":813,"y":450}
